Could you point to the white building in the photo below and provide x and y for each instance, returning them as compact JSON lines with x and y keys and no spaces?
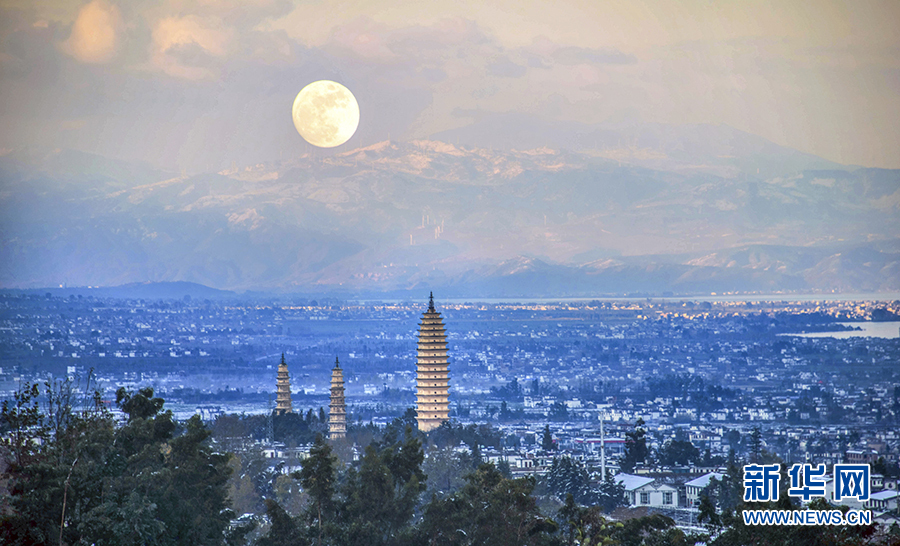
{"x":883,"y":501}
{"x":694,"y":487}
{"x":643,"y":491}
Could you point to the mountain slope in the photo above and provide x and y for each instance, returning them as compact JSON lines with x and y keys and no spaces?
{"x":395,"y":216}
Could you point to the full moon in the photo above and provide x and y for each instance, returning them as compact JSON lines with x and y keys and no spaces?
{"x":326,"y":114}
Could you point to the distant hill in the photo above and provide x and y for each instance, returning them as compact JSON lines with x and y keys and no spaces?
{"x":468,"y":220}
{"x":143,"y":290}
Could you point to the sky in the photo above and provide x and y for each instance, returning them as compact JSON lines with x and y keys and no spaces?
{"x":199,"y":85}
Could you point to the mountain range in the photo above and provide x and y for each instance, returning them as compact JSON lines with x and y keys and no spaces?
{"x":604,"y":210}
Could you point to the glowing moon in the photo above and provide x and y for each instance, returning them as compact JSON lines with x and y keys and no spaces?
{"x":326,"y":114}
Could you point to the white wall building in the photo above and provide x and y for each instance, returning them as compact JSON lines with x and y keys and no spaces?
{"x":643,"y":491}
{"x":694,"y":487}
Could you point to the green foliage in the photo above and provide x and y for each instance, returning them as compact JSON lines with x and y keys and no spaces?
{"x":450,"y":434}
{"x":370,"y":505}
{"x":445,"y":469}
{"x":885,"y":468}
{"x":380,"y":498}
{"x":708,"y":515}
{"x":140,"y":405}
{"x":317,"y":477}
{"x":512,"y":391}
{"x":585,"y":526}
{"x":23,"y":425}
{"x":636,"y":451}
{"x":489,"y":509}
{"x":507,"y":414}
{"x":678,"y":452}
{"x":283,"y":530}
{"x":610,"y":495}
{"x":653,"y":530}
{"x":558,"y":412}
{"x":755,"y":445}
{"x":569,"y":477}
{"x":136,"y":484}
{"x":295,"y":428}
{"x":547,"y":443}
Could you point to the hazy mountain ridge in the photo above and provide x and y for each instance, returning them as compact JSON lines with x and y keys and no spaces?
{"x":715,"y":149}
{"x":395,"y":216}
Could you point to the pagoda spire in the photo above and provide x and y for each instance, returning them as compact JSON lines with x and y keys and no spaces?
{"x":432,"y":380}
{"x":337,"y":409}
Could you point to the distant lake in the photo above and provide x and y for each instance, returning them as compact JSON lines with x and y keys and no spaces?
{"x":890,"y":330}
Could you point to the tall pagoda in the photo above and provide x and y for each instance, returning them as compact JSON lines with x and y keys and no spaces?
{"x":283,"y":389}
{"x":337,"y":410}
{"x":432,"y":381}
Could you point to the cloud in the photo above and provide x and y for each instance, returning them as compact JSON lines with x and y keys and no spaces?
{"x":363,"y":38}
{"x":95,"y":34}
{"x":581,"y":55}
{"x":239,"y":14}
{"x":185,"y":46}
{"x":543,"y":53}
{"x":200,"y":83}
{"x":505,"y":68}
{"x":431,"y":45}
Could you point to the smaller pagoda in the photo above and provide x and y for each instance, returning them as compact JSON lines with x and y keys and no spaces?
{"x":283,"y":390}
{"x":337,"y":410}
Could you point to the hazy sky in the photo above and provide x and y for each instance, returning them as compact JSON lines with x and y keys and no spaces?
{"x":197,"y":84}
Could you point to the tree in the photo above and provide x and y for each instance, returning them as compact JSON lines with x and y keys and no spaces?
{"x":23,"y":423}
{"x":489,"y":509}
{"x":283,"y":529}
{"x":317,"y":476}
{"x":445,"y":470}
{"x":558,"y":412}
{"x":475,"y":455}
{"x":547,"y":443}
{"x":886,"y":469}
{"x":380,"y":498}
{"x":729,"y":491}
{"x":147,"y":482}
{"x":610,"y":494}
{"x":585,"y":525}
{"x":678,"y":452}
{"x":654,"y":530}
{"x":635,"y":447}
{"x":755,"y":445}
{"x":708,"y":514}
{"x":140,"y":405}
{"x":569,"y":477}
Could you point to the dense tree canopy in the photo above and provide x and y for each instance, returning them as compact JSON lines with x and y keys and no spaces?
{"x":76,"y":475}
{"x":678,"y":452}
{"x":77,"y":478}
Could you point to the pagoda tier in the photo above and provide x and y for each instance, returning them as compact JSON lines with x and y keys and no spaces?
{"x":283,"y":389}
{"x":432,"y":380}
{"x":337,"y":410}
